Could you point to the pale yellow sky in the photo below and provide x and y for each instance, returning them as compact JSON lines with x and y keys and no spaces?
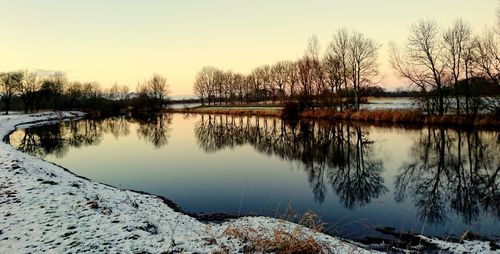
{"x":126,"y":41}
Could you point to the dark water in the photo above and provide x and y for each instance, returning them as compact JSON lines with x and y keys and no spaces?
{"x":357,"y":178}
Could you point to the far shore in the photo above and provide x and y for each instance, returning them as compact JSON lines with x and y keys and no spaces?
{"x":388,"y":116}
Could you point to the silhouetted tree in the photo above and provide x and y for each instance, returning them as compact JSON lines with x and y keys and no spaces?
{"x":423,"y":62}
{"x":9,"y":82}
{"x":28,"y":88}
{"x":456,"y":40}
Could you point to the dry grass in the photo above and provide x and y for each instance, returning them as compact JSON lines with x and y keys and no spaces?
{"x":404,"y":117}
{"x":373,"y":116}
{"x":231,"y":111}
{"x":283,"y":239}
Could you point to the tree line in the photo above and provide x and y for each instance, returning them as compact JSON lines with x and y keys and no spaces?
{"x":453,"y":69}
{"x":337,"y":78}
{"x":55,"y":91}
{"x":450,"y":71}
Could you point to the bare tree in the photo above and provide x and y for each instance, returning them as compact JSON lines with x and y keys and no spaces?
{"x":258,"y":79}
{"x":229,"y":86}
{"x":339,"y":49}
{"x":313,"y":48}
{"x":468,"y":57}
{"x":199,"y":89}
{"x":332,"y":65}
{"x":488,"y":56}
{"x":306,"y":78}
{"x":488,"y":64}
{"x":239,"y":81}
{"x":423,"y":61}
{"x":267,"y":82}
{"x":407,"y":70}
{"x":123,"y":92}
{"x":8,"y":85}
{"x":292,"y":75}
{"x":55,"y":85}
{"x":157,"y":88}
{"x":91,"y":91}
{"x":207,"y":83}
{"x":112,"y":92}
{"x":456,"y":40}
{"x":313,"y":52}
{"x":75,"y":94}
{"x":279,"y":76}
{"x":27,"y":88}
{"x":248,"y":86}
{"x":362,"y":59}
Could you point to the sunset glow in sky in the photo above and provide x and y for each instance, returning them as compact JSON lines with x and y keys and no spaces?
{"x":126,"y":41}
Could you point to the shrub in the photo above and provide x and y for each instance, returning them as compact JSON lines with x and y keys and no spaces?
{"x":291,"y":110}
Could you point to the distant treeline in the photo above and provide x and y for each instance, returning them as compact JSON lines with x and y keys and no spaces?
{"x":27,"y":91}
{"x":450,"y":71}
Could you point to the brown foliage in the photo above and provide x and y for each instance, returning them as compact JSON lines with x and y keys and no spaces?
{"x":404,"y":117}
{"x":298,"y":239}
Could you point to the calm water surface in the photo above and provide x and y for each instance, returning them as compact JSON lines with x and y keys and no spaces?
{"x":357,"y":178}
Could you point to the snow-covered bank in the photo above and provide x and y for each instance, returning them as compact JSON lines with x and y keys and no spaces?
{"x":45,"y":208}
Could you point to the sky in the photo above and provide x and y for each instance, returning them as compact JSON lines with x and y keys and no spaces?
{"x":125,"y":42}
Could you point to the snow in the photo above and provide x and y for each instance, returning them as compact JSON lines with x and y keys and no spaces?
{"x":45,"y":208}
{"x":389,"y":104}
{"x":467,"y":246}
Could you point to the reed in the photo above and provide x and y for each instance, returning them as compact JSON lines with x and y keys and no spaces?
{"x":404,"y":117}
{"x":300,"y":238}
{"x":372,"y":116}
{"x":231,"y":111}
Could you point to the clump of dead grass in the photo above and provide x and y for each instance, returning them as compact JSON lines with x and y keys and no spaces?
{"x":284,"y":238}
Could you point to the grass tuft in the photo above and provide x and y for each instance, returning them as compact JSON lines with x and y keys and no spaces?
{"x":283,"y":239}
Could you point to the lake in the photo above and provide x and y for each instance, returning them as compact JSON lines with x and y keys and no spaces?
{"x":357,"y":178}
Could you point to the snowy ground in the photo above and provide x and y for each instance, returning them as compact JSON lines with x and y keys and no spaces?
{"x":43,"y":207}
{"x":389,"y":104}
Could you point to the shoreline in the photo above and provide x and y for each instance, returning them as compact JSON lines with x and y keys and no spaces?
{"x":383,"y":117}
{"x":59,"y":211}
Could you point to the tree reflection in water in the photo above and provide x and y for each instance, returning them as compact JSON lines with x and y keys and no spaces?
{"x":452,"y":171}
{"x":335,"y":154}
{"x":57,"y":138}
{"x":155,"y":129}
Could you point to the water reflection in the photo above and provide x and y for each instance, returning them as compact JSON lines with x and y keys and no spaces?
{"x":155,"y":129}
{"x":338,"y":155}
{"x":449,"y":173}
{"x":452,"y":171}
{"x":57,"y":138}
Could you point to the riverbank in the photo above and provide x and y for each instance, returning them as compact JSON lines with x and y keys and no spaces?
{"x":46,"y":208}
{"x":393,"y":116}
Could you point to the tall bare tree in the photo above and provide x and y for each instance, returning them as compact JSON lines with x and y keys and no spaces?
{"x":207,"y":83}
{"x":423,"y":62}
{"x":338,"y":48}
{"x":488,"y":55}
{"x":27,"y":88}
{"x":158,"y":90}
{"x":279,"y":77}
{"x":362,"y":60}
{"x":8,"y":85}
{"x":468,"y":58}
{"x":54,"y":87}
{"x":333,"y":71}
{"x":306,"y":80}
{"x":456,"y":39}
{"x":292,"y":77}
